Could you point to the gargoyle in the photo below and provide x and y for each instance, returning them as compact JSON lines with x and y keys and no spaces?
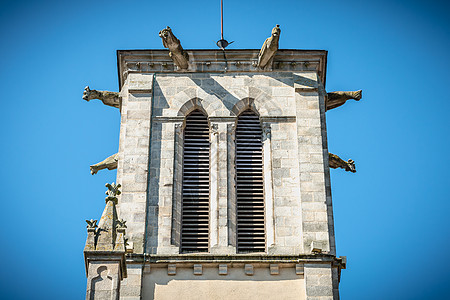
{"x":269,"y":48}
{"x":336,"y":99}
{"x":176,"y":52}
{"x":336,"y":162}
{"x":110,"y":163}
{"x":108,"y":98}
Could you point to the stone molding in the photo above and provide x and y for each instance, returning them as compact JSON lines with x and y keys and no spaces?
{"x":223,"y":269}
{"x":272,"y":119}
{"x":190,"y":259}
{"x":213,"y":61}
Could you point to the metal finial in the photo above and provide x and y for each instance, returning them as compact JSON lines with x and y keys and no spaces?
{"x":222,"y":43}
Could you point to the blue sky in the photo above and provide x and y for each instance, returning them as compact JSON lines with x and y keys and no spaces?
{"x":391,"y":217}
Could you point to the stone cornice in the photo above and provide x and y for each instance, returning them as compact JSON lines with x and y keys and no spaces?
{"x":214,"y":61}
{"x":235,"y":259}
{"x":248,"y":261}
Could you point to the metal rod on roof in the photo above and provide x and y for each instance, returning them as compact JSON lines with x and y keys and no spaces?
{"x":221,"y":19}
{"x":222,"y":43}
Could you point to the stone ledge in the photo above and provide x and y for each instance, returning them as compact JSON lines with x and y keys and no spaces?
{"x":249,"y":269}
{"x":191,"y":259}
{"x":214,"y":61}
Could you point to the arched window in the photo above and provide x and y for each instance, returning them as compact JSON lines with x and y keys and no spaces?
{"x":249,"y":184}
{"x":195,"y":192}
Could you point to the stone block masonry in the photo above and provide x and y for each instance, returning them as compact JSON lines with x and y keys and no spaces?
{"x":295,"y":171}
{"x":298,"y":217}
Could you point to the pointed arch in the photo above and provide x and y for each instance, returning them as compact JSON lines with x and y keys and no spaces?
{"x":190,"y":106}
{"x":243,"y":105}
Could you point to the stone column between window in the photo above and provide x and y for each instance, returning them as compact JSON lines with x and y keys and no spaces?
{"x":167,"y":152}
{"x":268,"y":189}
{"x":177,"y":185}
{"x":213,"y":186}
{"x":219,"y":162}
{"x":231,"y":185}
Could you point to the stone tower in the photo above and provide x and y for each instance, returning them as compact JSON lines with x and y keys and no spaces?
{"x":224,"y":167}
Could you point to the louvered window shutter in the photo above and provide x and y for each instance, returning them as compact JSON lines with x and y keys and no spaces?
{"x":195,"y":203}
{"x":249,"y":184}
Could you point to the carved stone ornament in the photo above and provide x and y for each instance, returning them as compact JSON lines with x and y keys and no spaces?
{"x":269,"y":49}
{"x":176,"y":52}
{"x":109,"y":163}
{"x":113,"y":190}
{"x":120,"y":224}
{"x":106,"y":246}
{"x":336,"y":162}
{"x":108,"y":98}
{"x":336,"y":99}
{"x":91,"y":223}
{"x":231,"y":128}
{"x":215,"y":128}
{"x":267,"y":131}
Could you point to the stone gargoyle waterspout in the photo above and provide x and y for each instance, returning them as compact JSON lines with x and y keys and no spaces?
{"x":110,"y":99}
{"x":337,"y":162}
{"x":269,"y":49}
{"x":336,"y":99}
{"x":176,"y":52}
{"x":107,"y":97}
{"x":109,"y":163}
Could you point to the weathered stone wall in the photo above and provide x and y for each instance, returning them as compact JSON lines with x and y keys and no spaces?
{"x":294,"y":147}
{"x":131,"y":287}
{"x":313,"y":163}
{"x":319,"y":282}
{"x":291,"y":107}
{"x":237,"y":282}
{"x":132,"y":170}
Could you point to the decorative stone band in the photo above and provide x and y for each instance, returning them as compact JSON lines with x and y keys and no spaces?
{"x":224,"y":262}
{"x":213,"y":61}
{"x":274,"y":119}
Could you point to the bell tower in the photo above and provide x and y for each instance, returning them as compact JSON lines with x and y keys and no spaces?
{"x":225,"y":173}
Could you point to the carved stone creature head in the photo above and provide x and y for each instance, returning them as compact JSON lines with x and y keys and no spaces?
{"x":357,"y":95}
{"x":168,"y":38}
{"x":350,"y":166}
{"x":86,"y":93}
{"x":276,"y":31}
